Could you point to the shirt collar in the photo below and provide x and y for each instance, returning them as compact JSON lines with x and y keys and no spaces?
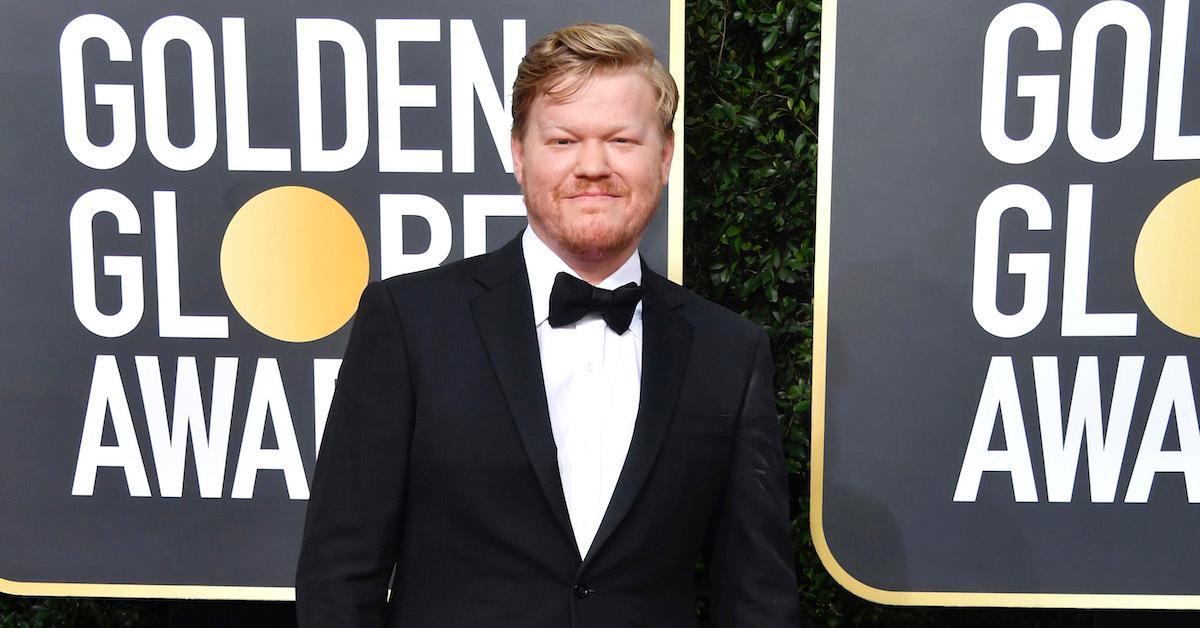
{"x":543,"y":265}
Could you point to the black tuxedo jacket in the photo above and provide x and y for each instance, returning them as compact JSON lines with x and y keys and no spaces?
{"x":439,"y":462}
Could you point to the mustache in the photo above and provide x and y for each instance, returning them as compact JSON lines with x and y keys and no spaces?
{"x":604,"y":186}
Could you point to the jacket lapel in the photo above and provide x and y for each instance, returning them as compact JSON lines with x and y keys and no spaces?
{"x":504,"y":315}
{"x":666,"y":343}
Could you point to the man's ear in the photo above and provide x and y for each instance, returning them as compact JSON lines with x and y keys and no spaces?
{"x":668,"y":151}
{"x":518,"y":156}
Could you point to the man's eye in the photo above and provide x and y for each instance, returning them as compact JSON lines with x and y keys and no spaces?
{"x":560,"y":142}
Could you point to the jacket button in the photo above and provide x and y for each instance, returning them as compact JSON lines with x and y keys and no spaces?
{"x":582,"y":591}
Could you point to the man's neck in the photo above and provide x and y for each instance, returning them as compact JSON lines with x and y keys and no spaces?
{"x":591,"y":269}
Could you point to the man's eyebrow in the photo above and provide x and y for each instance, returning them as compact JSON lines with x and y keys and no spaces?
{"x":615,"y":129}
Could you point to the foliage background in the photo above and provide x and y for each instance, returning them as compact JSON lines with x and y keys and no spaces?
{"x":751,"y":103}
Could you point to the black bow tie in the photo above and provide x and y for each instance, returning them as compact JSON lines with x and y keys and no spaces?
{"x":572,"y":298}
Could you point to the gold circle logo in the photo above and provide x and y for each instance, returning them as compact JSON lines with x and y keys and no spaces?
{"x":294,"y":263}
{"x":1167,"y":260}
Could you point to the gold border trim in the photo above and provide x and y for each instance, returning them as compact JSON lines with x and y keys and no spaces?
{"x":820,"y":348}
{"x":286,"y":594}
{"x":676,"y":66}
{"x":146,"y":591}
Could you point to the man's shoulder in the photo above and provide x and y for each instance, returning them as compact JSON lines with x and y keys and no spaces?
{"x":460,"y":279}
{"x":447,"y":278}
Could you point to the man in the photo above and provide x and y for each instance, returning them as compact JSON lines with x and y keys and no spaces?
{"x":524,"y":450}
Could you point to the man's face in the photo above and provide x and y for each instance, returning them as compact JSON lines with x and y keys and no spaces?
{"x":592,"y":166}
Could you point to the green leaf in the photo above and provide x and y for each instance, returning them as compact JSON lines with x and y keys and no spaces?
{"x":768,"y":42}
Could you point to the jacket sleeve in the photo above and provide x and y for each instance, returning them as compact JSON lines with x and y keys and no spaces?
{"x":354,"y":511}
{"x":750,"y":560}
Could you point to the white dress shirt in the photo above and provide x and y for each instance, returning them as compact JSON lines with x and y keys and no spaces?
{"x":593,"y":381}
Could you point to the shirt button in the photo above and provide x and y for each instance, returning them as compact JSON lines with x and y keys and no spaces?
{"x":581,"y":591}
{"x":589,"y":367}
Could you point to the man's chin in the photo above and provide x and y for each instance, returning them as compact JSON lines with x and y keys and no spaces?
{"x":598,"y":247}
{"x":591,"y":239}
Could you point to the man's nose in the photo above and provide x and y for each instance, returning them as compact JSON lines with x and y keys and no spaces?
{"x":593,"y":161}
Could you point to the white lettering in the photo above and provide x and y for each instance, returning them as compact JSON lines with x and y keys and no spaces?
{"x":118,"y":97}
{"x":210,"y":444}
{"x":127,"y":268}
{"x":999,"y":396}
{"x":1043,"y":89}
{"x":1106,"y":449}
{"x":1133,"y":22}
{"x":267,"y":397}
{"x":476,"y":210}
{"x":204,"y":93}
{"x":393,"y":96}
{"x":1035,"y":267}
{"x":393,"y":260}
{"x":237,"y":116}
{"x":470,"y":75}
{"x":1076,"y":320}
{"x":325,"y":373}
{"x":310,"y":33}
{"x":1169,"y":143}
{"x":1173,"y":397}
{"x":171,"y":323}
{"x":108,"y":396}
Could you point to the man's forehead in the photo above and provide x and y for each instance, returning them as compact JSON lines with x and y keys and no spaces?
{"x":567,"y":88}
{"x":554,"y":120}
{"x":625,"y":102}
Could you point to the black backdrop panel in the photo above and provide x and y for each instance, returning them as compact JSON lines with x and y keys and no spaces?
{"x":87,"y":503}
{"x":980,"y":227}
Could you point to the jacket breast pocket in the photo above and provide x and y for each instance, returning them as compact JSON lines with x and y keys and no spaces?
{"x":704,"y":425}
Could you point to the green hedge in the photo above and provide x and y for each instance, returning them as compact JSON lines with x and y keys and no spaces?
{"x":750,"y":187}
{"x":16,"y":612}
{"x":751,"y":149}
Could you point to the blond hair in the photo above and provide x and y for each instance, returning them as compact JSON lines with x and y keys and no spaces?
{"x":561,"y":63}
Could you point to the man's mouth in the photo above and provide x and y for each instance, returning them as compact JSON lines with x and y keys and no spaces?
{"x":597,"y":194}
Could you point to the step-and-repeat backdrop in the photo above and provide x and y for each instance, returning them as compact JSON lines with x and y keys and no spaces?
{"x":194,"y":195}
{"x":1009,"y":302}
